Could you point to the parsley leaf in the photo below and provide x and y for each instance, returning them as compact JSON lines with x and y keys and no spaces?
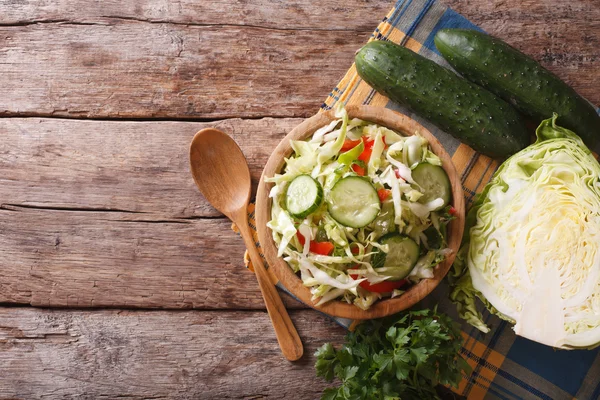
{"x":326,"y":361}
{"x":399,"y":357}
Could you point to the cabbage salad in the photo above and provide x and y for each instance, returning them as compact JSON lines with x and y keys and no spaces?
{"x":360,"y":212}
{"x":531,"y":252}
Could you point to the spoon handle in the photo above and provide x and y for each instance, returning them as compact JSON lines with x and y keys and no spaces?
{"x":286,"y":333}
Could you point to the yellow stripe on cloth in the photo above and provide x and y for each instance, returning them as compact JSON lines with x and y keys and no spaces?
{"x":487,"y":360}
{"x":475,"y":177}
{"x":461,"y":158}
{"x":352,"y":89}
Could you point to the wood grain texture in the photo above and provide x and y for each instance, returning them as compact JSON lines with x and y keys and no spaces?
{"x":274,"y":14}
{"x":90,"y":222}
{"x":143,"y":168}
{"x":131,"y":69}
{"x":116,"y":259}
{"x":155,"y":355}
{"x":402,"y":124}
{"x":153,"y":62}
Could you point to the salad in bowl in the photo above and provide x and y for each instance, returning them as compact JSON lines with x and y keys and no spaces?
{"x":359,"y":212}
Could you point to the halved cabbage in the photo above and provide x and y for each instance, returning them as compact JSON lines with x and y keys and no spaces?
{"x":531,"y":246}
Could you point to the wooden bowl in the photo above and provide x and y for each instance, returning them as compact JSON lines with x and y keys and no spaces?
{"x":401,"y":124}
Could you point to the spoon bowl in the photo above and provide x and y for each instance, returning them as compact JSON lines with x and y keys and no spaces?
{"x":221,"y":173}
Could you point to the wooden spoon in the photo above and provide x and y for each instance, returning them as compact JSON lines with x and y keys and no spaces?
{"x":221,"y":173}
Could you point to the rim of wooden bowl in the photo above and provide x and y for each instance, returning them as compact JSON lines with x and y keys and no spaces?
{"x":399,"y":123}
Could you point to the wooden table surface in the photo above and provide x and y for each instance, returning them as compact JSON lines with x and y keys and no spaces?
{"x":117,"y":279}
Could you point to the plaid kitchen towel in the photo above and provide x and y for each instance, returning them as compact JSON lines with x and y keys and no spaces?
{"x":505,"y":366}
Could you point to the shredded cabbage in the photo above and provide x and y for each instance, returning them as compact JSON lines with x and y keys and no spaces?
{"x":375,"y":159}
{"x":281,"y":224}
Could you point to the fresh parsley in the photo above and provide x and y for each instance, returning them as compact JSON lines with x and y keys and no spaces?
{"x":405,"y":356}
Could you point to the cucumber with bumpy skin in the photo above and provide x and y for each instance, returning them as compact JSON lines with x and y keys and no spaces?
{"x":518,"y":79}
{"x":468,"y":112}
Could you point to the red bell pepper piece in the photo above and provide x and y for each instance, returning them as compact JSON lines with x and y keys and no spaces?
{"x":301,"y":238}
{"x":349,"y":144}
{"x":366,"y":154}
{"x":322,"y":248}
{"x":358,"y":169}
{"x":381,"y":287}
{"x":383,"y":194}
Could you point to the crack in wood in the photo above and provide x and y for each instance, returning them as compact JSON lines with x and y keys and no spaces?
{"x":16,"y":207}
{"x":24,"y":115}
{"x":49,"y":21}
{"x":154,"y":221}
{"x":230,"y":25}
{"x":176,"y":220}
{"x":199,"y":217}
{"x":176,"y":23}
{"x":296,"y":307}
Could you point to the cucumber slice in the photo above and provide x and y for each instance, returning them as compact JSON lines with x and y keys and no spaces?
{"x":401,"y":257}
{"x":304,"y":195}
{"x":353,"y":202}
{"x":434,"y":182}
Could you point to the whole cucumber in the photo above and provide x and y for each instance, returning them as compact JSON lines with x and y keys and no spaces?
{"x":518,"y":79}
{"x":457,"y":106}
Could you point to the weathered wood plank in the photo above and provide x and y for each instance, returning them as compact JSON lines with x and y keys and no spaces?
{"x":143,"y":167}
{"x":141,"y":355}
{"x":115,"y":259}
{"x":133,"y":239}
{"x":143,"y":70}
{"x":129,"y":233}
{"x":283,"y":14}
{"x":123,"y":68}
